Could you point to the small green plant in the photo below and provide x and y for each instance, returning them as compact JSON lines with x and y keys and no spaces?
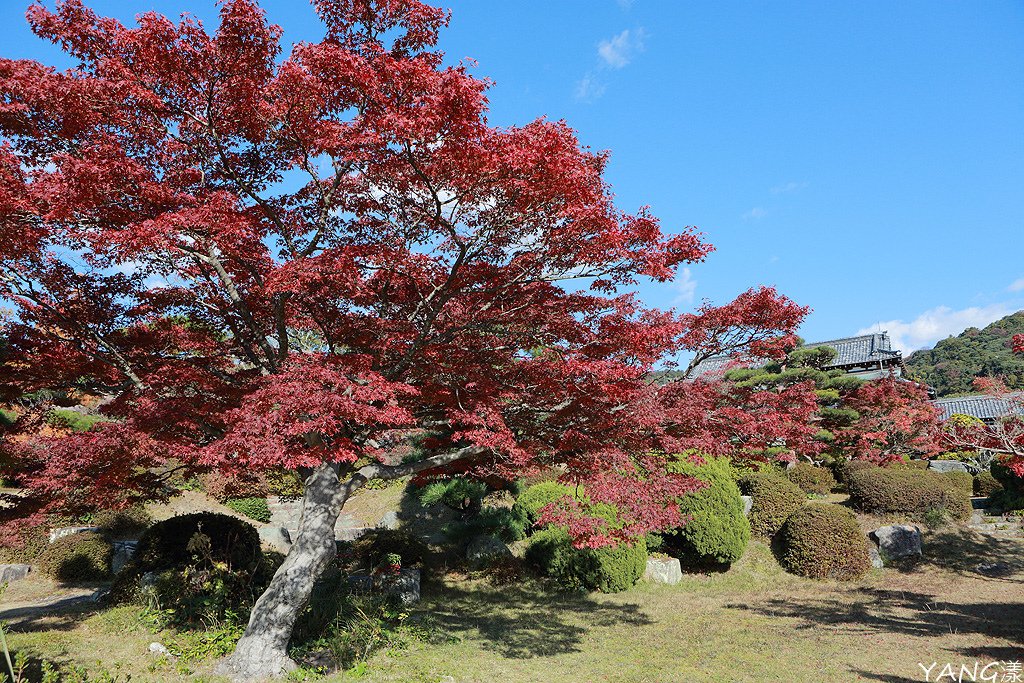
{"x":457,"y":493}
{"x":254,"y":508}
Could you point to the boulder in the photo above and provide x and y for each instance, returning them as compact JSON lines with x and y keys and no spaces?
{"x":158,"y":649}
{"x":276,"y":538}
{"x":485,"y":550}
{"x":947,"y":466}
{"x":61,"y":532}
{"x":123,"y":552}
{"x":360,"y":583}
{"x":389,"y":521}
{"x":14,"y":572}
{"x":875,"y":557}
{"x":748,"y":503}
{"x":897,"y":541}
{"x":405,"y":585}
{"x":663,"y":570}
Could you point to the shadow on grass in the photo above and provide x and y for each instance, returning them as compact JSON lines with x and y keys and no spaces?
{"x":885,"y":678}
{"x":526,"y":620}
{"x":871,"y":610}
{"x":59,"y":615}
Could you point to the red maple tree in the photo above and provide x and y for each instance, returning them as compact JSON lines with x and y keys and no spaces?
{"x":267,"y":261}
{"x":895,"y":419}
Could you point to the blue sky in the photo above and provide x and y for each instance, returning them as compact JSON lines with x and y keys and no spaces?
{"x":867,"y":158}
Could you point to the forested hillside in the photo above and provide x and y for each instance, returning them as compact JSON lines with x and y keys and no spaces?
{"x":954,"y":363}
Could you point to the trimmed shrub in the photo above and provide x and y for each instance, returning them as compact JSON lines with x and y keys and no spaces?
{"x":812,"y":479}
{"x":24,"y":544}
{"x":284,"y":483}
{"x":610,"y":570}
{"x":533,"y":499}
{"x":123,"y":522}
{"x":457,"y":493}
{"x":962,"y":481}
{"x":254,"y":508}
{"x":915,"y":492}
{"x":775,"y":498}
{"x":718,"y":531}
{"x":823,"y":541}
{"x":374,"y":545}
{"x":1011,"y":497}
{"x":843,"y":469}
{"x":78,"y":558}
{"x":986,"y":485}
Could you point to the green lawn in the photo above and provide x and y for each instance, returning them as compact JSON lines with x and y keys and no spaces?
{"x":752,"y":623}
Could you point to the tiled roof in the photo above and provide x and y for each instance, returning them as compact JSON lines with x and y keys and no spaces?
{"x":862,"y":350}
{"x":981,"y":407}
{"x":868,"y":348}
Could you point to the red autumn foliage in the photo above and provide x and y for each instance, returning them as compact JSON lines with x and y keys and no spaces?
{"x":280,"y":260}
{"x":896,"y":419}
{"x":1003,"y":437}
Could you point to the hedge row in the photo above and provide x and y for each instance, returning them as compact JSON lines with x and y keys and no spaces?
{"x":907,"y":491}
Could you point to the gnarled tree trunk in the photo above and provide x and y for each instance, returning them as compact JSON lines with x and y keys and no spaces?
{"x":262,"y":652}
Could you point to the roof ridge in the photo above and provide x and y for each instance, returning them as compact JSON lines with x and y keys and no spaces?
{"x":853,"y":338}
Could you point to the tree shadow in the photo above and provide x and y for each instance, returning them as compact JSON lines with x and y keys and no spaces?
{"x":60,"y":615}
{"x":526,"y":620}
{"x":885,"y":678}
{"x":871,"y":610}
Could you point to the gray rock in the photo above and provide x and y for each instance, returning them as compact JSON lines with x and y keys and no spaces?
{"x":61,"y":532}
{"x":123,"y":553}
{"x":276,"y":537}
{"x":405,"y":585}
{"x":14,"y":572}
{"x":875,"y":557}
{"x":389,"y":521}
{"x":158,"y":649}
{"x":897,"y":541}
{"x":994,"y":569}
{"x":947,"y":466}
{"x":360,"y":583}
{"x":748,"y":502}
{"x":486,"y":550}
{"x":351,"y":533}
{"x":663,"y":570}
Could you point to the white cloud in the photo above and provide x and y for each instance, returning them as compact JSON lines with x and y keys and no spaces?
{"x":589,"y":88}
{"x":619,"y":50}
{"x":789,"y":187}
{"x":685,"y":287}
{"x":936,"y":324}
{"x":1016,"y":286}
{"x":757,"y":213}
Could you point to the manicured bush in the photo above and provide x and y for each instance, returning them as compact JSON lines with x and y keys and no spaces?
{"x":534,"y":498}
{"x":1011,"y":496}
{"x":72,"y":420}
{"x":254,"y":508}
{"x":25,"y":543}
{"x":372,"y":546}
{"x":843,"y":469}
{"x":609,"y":570}
{"x":823,"y":541}
{"x":986,"y":485}
{"x":962,"y":481}
{"x":122,"y":522}
{"x":775,"y":498}
{"x":915,"y":492}
{"x":811,"y":478}
{"x":78,"y":558}
{"x":718,"y":531}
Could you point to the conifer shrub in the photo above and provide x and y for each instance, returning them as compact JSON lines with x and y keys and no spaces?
{"x":823,"y":541}
{"x":718,"y":531}
{"x":77,"y":558}
{"x":532,"y":500}
{"x":611,"y":569}
{"x":775,"y":498}
{"x":811,"y":478}
{"x":889,"y":490}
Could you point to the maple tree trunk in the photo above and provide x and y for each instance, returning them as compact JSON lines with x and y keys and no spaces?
{"x":262,"y":652}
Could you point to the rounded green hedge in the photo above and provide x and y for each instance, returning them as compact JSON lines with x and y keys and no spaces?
{"x":533,"y":499}
{"x":986,"y":485}
{"x":718,"y":531}
{"x":610,"y":570}
{"x":811,"y":478}
{"x":823,"y":541}
{"x":889,"y":490}
{"x":775,"y":498}
{"x":962,"y":481}
{"x":254,"y":508}
{"x":78,"y":558}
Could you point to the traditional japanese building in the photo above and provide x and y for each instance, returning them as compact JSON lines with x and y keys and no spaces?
{"x":985,"y":408}
{"x":867,"y":356}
